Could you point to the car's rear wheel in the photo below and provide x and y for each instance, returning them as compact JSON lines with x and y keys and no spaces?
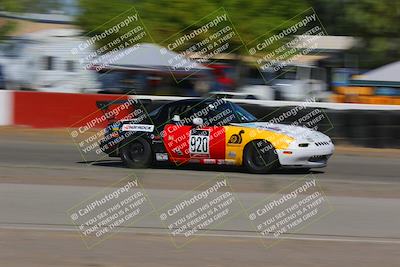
{"x":259,"y":156}
{"x":136,"y":153}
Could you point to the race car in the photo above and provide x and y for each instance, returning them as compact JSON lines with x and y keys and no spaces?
{"x":213,"y":131}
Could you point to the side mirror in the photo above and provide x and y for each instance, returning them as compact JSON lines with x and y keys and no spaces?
{"x":176,"y":118}
{"x":197,"y":121}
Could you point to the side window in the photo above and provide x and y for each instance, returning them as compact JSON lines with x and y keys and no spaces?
{"x":317,"y":74}
{"x":303,"y":73}
{"x":48,"y":63}
{"x":197,"y":110}
{"x":187,"y":112}
{"x":69,"y":66}
{"x":180,"y":110}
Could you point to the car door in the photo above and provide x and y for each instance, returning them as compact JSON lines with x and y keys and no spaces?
{"x":186,"y":142}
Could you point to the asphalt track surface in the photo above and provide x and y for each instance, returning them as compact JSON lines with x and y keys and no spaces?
{"x":42,"y":175}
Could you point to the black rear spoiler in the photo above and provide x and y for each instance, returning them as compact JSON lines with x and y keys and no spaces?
{"x":104,"y":105}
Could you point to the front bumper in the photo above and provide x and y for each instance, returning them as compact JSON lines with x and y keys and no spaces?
{"x":315,"y":155}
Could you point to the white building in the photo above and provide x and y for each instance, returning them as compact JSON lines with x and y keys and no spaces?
{"x":43,"y":61}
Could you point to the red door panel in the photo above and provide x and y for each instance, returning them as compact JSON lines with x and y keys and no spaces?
{"x":184,"y":143}
{"x":217,"y":142}
{"x":176,"y":141}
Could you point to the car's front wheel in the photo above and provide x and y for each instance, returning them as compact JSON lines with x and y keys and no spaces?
{"x":136,"y":153}
{"x":259,"y":156}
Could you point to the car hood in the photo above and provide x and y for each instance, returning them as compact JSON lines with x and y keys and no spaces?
{"x":296,"y":132}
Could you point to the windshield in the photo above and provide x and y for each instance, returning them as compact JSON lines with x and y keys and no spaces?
{"x":242,"y":114}
{"x":228,"y":112}
{"x":213,"y":113}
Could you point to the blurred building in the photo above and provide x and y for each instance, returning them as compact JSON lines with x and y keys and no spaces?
{"x":378,"y":86}
{"x":37,"y":54}
{"x":307,"y":75}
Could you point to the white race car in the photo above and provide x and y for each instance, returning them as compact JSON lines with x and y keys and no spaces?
{"x":214,"y":131}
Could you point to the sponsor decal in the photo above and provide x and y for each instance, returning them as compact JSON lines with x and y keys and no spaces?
{"x":161,"y":156}
{"x":220,"y":161}
{"x":209,"y":161}
{"x":225,"y":162}
{"x":231,"y":154}
{"x":236,"y":139}
{"x":138,"y":127}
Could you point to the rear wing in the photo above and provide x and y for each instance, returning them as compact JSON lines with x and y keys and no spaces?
{"x":105,"y":105}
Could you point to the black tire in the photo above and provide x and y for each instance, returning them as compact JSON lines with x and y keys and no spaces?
{"x":259,"y":156}
{"x":136,"y":153}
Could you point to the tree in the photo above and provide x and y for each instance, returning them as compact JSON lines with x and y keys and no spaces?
{"x":375,"y":22}
{"x":164,"y":18}
{"x":31,"y":6}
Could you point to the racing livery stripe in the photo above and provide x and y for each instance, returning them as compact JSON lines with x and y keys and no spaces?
{"x":238,"y":136}
{"x":213,"y":145}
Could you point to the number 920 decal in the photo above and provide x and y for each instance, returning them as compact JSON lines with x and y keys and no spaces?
{"x":199,"y":141}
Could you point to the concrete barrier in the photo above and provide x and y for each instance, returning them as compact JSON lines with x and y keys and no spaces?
{"x":6,"y":108}
{"x":57,"y":110}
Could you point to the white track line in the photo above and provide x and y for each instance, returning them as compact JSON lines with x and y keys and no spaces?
{"x":326,"y":239}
